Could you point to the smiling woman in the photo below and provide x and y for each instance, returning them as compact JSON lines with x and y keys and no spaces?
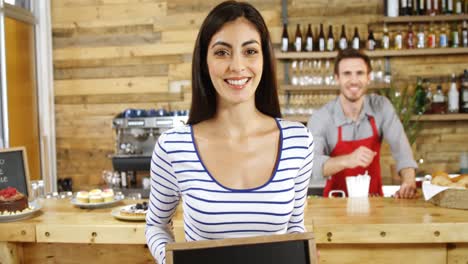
{"x":240,"y":170}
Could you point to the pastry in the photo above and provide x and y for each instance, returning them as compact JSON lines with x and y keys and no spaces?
{"x":138,"y":209}
{"x":96,"y":198}
{"x":11,"y":200}
{"x":108,"y":195}
{"x":82,"y":197}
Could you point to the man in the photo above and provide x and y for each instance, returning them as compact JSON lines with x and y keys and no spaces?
{"x":348,"y":132}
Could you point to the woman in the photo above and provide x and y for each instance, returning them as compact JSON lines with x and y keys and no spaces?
{"x":240,"y":170}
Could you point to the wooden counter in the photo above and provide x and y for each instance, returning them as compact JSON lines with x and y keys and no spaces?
{"x":374,"y":230}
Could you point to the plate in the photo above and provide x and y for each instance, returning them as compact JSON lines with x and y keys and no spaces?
{"x":116,"y":213}
{"x":95,"y":205}
{"x":23,"y":215}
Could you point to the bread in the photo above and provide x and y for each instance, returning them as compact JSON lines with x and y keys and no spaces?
{"x":443,"y":179}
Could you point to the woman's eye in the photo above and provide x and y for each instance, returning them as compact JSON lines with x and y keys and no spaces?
{"x":221,"y":53}
{"x":251,"y":52}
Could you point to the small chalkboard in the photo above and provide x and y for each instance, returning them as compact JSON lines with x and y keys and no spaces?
{"x":14,"y":169}
{"x":273,"y":249}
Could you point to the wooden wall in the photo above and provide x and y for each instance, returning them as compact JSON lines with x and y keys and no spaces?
{"x":110,"y":55}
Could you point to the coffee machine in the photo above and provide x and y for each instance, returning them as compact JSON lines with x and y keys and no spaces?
{"x":136,"y":134}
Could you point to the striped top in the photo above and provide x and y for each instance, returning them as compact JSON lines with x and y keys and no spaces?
{"x":213,"y":211}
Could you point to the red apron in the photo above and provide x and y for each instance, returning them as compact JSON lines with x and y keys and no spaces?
{"x":338,"y":181}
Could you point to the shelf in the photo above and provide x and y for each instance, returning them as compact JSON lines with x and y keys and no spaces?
{"x":444,"y":117}
{"x":375,"y":53}
{"x":438,"y":18}
{"x":319,"y":88}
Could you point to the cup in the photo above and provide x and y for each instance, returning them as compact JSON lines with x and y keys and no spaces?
{"x":358,"y":186}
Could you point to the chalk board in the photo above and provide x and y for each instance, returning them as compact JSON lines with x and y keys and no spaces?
{"x":14,"y":169}
{"x":279,"y":249}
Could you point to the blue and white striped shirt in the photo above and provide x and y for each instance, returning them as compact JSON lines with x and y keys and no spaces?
{"x":213,"y":211}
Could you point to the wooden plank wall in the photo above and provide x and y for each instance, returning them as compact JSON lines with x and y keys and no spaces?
{"x":110,"y":55}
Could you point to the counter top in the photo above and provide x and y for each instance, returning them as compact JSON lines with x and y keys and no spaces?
{"x":356,"y":220}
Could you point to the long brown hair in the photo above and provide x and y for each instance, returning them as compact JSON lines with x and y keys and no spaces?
{"x":204,"y":105}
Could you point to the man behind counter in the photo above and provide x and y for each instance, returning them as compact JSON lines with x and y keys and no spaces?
{"x":348,"y":132}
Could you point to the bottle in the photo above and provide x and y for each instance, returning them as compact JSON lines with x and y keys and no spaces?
{"x":371,"y":40}
{"x":443,"y":40}
{"x":431,"y":37}
{"x":449,"y":7}
{"x":443,"y":7}
{"x":435,"y":7}
{"x":438,"y":101}
{"x":392,"y":8}
{"x":421,"y":39}
{"x":356,"y":39}
{"x":421,"y":7}
{"x":309,"y":45}
{"x":429,"y":9}
{"x":428,"y":98}
{"x":464,"y":34}
{"x":464,"y":93}
{"x":331,"y":39}
{"x":321,"y":39}
{"x":123,"y":179}
{"x":403,"y":8}
{"x":285,"y":39}
{"x":343,"y":44}
{"x":409,"y":11}
{"x":298,"y":39}
{"x":399,"y":40}
{"x":420,"y":98}
{"x":459,"y":7}
{"x":385,"y":38}
{"x":410,"y":37}
{"x":454,"y":36}
{"x":453,"y":96}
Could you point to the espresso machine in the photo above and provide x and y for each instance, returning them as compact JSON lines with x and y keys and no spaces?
{"x":136,"y":134}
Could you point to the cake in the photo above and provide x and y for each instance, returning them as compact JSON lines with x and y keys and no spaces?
{"x":12,"y":201}
{"x":95,"y":198}
{"x":108,"y":195}
{"x":138,"y":209}
{"x":82,"y":197}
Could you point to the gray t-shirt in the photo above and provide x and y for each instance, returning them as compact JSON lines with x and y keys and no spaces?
{"x":325,"y":122}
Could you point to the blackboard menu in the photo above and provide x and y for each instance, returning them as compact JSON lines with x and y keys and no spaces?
{"x":13,"y":170}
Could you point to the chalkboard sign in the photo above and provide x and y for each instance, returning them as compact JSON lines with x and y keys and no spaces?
{"x":275,"y":249}
{"x":14,"y":169}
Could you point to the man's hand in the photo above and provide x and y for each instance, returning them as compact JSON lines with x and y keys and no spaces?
{"x":408,"y":185}
{"x":362,"y":156}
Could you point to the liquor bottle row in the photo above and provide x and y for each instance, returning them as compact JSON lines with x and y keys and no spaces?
{"x":321,"y":72}
{"x":395,"y":8}
{"x":430,"y":101}
{"x":431,"y":36}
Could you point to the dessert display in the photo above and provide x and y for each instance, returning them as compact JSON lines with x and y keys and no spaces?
{"x":95,"y":196}
{"x":12,"y":201}
{"x":137,"y":210}
{"x":443,"y":179}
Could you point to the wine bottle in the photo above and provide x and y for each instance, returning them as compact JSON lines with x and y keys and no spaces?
{"x":331,"y":39}
{"x":298,"y":39}
{"x":403,"y":8}
{"x":371,"y":40}
{"x":309,"y":45}
{"x":454,"y":36}
{"x":321,"y":39}
{"x":343,"y":40}
{"x":284,"y":38}
{"x":464,"y":35}
{"x":385,"y":38}
{"x":356,"y":39}
{"x":431,"y":37}
{"x":410,"y":37}
{"x":421,"y":39}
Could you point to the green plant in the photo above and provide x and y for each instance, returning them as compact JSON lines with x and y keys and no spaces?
{"x":405,"y":106}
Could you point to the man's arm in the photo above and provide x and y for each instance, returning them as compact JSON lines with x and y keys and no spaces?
{"x":408,"y":184}
{"x":362,"y":156}
{"x":402,"y":153}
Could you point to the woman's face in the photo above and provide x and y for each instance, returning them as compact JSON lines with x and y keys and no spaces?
{"x":235,"y":62}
